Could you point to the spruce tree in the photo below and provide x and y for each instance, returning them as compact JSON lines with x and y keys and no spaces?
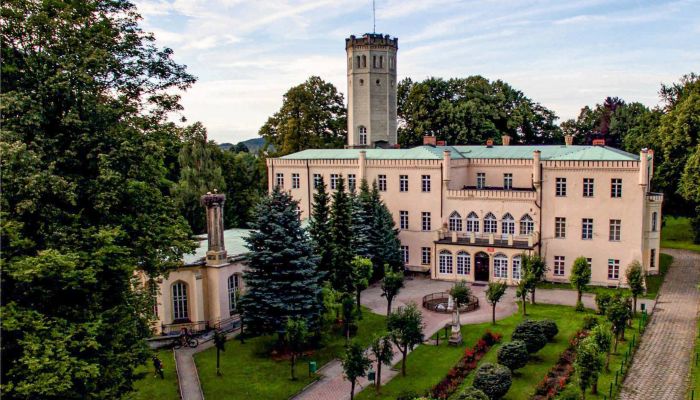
{"x":386,"y":236}
{"x":341,"y":231}
{"x":282,"y":281}
{"x":320,"y":230}
{"x":361,"y":227}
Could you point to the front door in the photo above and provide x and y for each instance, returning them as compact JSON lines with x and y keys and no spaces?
{"x":481,"y":264}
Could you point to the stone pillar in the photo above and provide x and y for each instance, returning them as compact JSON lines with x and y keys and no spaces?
{"x":536,"y":172}
{"x":216,"y":251}
{"x":446,"y":166}
{"x":361,"y":161}
{"x":643,"y":168}
{"x":199,"y":297}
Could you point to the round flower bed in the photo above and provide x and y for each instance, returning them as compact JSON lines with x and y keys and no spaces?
{"x":439,"y":301}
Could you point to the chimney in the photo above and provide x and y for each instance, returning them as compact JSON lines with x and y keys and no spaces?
{"x":489,"y":142}
{"x":361,"y":164}
{"x":598,"y":142}
{"x":536,"y":172}
{"x":429,"y":140}
{"x":643,"y":167}
{"x":446,"y":165}
{"x":441,"y":143}
{"x":505,"y":139}
{"x":216,"y":251}
{"x":569,"y":140}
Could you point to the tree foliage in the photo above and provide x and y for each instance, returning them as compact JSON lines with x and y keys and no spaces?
{"x":472,"y":393}
{"x":245,"y":178}
{"x":405,"y":327}
{"x":341,"y":229}
{"x":494,"y":294}
{"x":588,"y":364}
{"x":549,"y":328}
{"x":493,"y":379}
{"x":580,"y":278}
{"x":532,"y":334}
{"x":383,"y":352}
{"x":392,"y":283}
{"x":320,"y":229}
{"x":635,"y":280}
{"x":296,"y":334}
{"x":360,"y":274}
{"x":355,"y":365}
{"x":513,"y":355}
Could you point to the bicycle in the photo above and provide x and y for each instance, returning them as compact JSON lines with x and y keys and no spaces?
{"x":185,"y":342}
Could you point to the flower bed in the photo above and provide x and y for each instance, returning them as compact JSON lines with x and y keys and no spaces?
{"x":559,"y":376}
{"x":450,"y":383}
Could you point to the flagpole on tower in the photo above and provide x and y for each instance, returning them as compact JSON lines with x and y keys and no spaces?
{"x":374,"y":18}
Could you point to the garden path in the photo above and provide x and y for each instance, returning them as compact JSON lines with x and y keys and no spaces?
{"x":661,"y":365}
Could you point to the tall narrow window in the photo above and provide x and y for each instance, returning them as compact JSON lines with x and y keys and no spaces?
{"x":652,"y":259}
{"x":403,"y":219}
{"x":613,"y":269}
{"x":404,"y":254}
{"x":527,"y":225}
{"x":445,"y":266}
{"x":318,"y":179}
{"x":295,"y":181}
{"x":587,"y":228}
{"x":473,"y":222}
{"x":233,"y":293}
{"x":425,"y":255}
{"x":425,"y":183}
{"x":561,"y":187}
{"x":616,"y":188}
{"x":559,"y":265}
{"x":500,"y":266}
{"x":334,"y":181}
{"x":508,"y":225}
{"x":403,"y":183}
{"x":480,"y":180}
{"x":279,"y":179}
{"x":425,"y":220}
{"x":363,"y":135}
{"x":358,"y":65}
{"x":455,"y":222}
{"x":374,"y":61}
{"x":560,"y":227}
{"x":615,"y":230}
{"x":179,"y":296}
{"x":364,"y":61}
{"x":588,"y":188}
{"x":381,"y":183}
{"x":507,"y":181}
{"x":654,"y":221}
{"x":490,"y":223}
{"x":381,"y":61}
{"x":464,"y":263}
{"x":517,"y":267}
{"x":352,"y":181}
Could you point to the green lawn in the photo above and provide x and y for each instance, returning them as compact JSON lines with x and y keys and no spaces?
{"x":427,"y":365}
{"x":250,"y":373}
{"x":677,"y":233}
{"x":150,"y":387}
{"x":695,"y":367}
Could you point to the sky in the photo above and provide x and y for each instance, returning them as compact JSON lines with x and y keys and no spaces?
{"x":563,"y":54}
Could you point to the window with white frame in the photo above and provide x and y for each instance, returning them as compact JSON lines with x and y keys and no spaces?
{"x":445,"y":262}
{"x":381,"y":183}
{"x":455,"y":222}
{"x":425,"y":183}
{"x":615,"y":230}
{"x":507,"y":181}
{"x":616,"y":187}
{"x":560,"y":227}
{"x":318,"y":181}
{"x":279,"y":179}
{"x":508,"y":225}
{"x":587,"y":228}
{"x":334,"y":181}
{"x":561,"y":187}
{"x":527,"y":225}
{"x":403,"y":219}
{"x":490,"y":223}
{"x":464,"y":263}
{"x":403,"y":183}
{"x":404,"y":254}
{"x":363,"y":135}
{"x":352,"y":181}
{"x":559,"y":265}
{"x":588,"y":187}
{"x":296,"y":182}
{"x":473,"y":222}
{"x":517,"y":267}
{"x":654,"y":221}
{"x":425,"y":220}
{"x":425,"y":255}
{"x":613,"y":269}
{"x":179,"y":297}
{"x":233,"y":293}
{"x":480,"y":180}
{"x":500,"y":266}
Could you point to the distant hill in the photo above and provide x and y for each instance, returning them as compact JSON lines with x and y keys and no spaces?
{"x":253,"y":145}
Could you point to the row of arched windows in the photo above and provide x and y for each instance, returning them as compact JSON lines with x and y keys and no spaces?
{"x":472,"y":223}
{"x":180,"y":298}
{"x":462,"y":261}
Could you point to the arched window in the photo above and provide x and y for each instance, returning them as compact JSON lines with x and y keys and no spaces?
{"x":517,"y":263}
{"x":473,"y":222}
{"x":357,"y":64}
{"x":363,"y":135}
{"x":455,"y":222}
{"x":381,"y":61}
{"x":527,"y":226}
{"x":179,"y":295}
{"x":445,"y":265}
{"x":234,"y":287}
{"x":490,"y":223}
{"x":364,"y":61}
{"x":500,"y":266}
{"x":508,"y":225}
{"x":464,"y":263}
{"x":654,"y":217}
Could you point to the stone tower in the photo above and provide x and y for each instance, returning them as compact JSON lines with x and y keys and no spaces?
{"x":371,"y":90}
{"x":216,"y":251}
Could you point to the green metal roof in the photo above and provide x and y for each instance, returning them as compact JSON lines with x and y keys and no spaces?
{"x":548,"y":152}
{"x":234,"y":240}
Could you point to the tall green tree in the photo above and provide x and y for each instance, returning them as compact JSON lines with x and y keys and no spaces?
{"x":282,"y":279}
{"x":405,"y":327}
{"x":460,"y":293}
{"x":341,"y":230}
{"x":603,"y":339}
{"x":494,"y":294}
{"x":245,"y":179}
{"x":580,"y":277}
{"x":387,"y":246}
{"x":537,"y":268}
{"x":320,"y":229}
{"x":383,"y":352}
{"x":355,"y":365}
{"x":85,"y":197}
{"x":295,"y":336}
{"x":689,"y":187}
{"x":362,"y":222}
{"x":360,"y":275}
{"x":588,"y":365}
{"x":312,"y":116}
{"x":391,"y":285}
{"x":635,"y":280}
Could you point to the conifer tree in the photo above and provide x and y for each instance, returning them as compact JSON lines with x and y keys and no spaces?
{"x":341,"y":230}
{"x":282,"y":281}
{"x":361,"y":226}
{"x":320,"y":229}
{"x":384,"y":235}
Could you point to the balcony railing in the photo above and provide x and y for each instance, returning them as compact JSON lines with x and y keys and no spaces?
{"x":470,"y":192}
{"x":655,"y":197}
{"x":488,"y":239}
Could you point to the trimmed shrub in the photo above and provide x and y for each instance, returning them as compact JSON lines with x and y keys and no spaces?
{"x":493,"y":379}
{"x":472,"y":393}
{"x":513,"y":355}
{"x":590,"y":322}
{"x":549,"y":328}
{"x":407,"y":395}
{"x":601,"y":301}
{"x":531,"y":333}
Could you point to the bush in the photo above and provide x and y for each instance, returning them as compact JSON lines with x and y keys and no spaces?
{"x":531,"y":333}
{"x":472,"y":393}
{"x":407,"y":395}
{"x":589,"y":322}
{"x":549,"y":328}
{"x":601,"y":301}
{"x":513,"y":355}
{"x":493,"y":379}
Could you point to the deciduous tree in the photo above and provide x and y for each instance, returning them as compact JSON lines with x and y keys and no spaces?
{"x":405,"y":327}
{"x":360,"y":275}
{"x":391,"y":285}
{"x":635,"y":280}
{"x":383,"y":352}
{"x":589,"y":363}
{"x":295,"y":336}
{"x":580,"y":278}
{"x":355,"y":365}
{"x":494,"y":294}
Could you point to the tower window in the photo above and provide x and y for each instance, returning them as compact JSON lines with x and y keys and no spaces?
{"x":374,"y":61}
{"x":381,"y":61}
{"x":363,"y":135}
{"x":362,"y":82}
{"x":379,"y":83}
{"x":364,"y":61}
{"x":357,"y":63}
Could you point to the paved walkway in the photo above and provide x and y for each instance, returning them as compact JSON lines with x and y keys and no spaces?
{"x":660,"y":368}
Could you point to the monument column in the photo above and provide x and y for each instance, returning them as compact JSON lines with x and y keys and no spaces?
{"x":216,"y":251}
